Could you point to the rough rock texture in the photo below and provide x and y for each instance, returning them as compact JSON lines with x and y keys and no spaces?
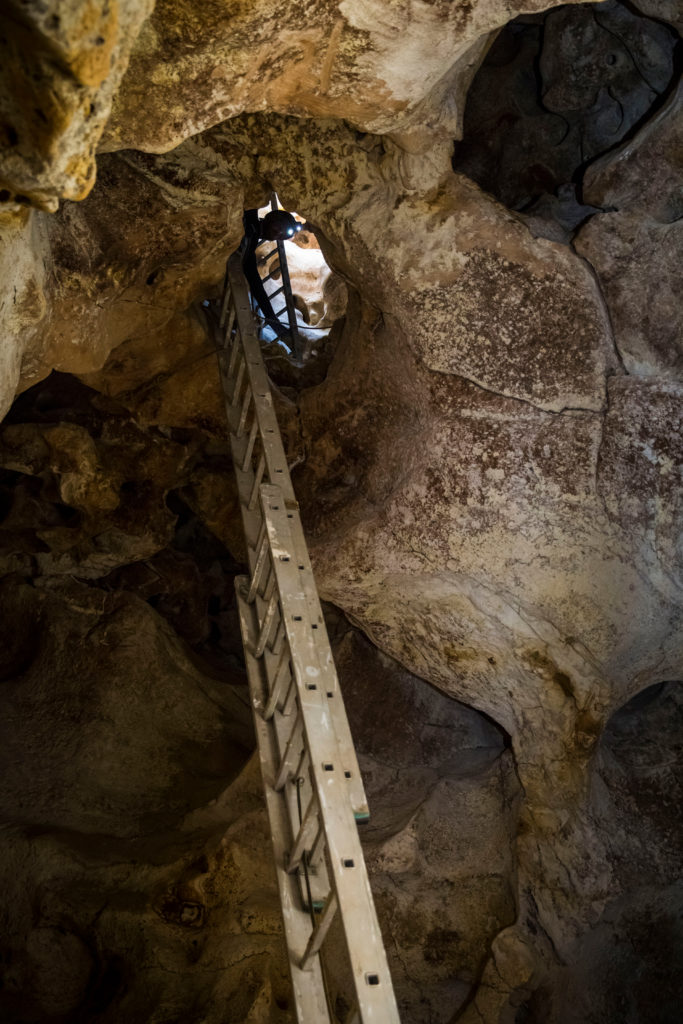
{"x":624,"y":967}
{"x":82,"y":781}
{"x":383,"y":67}
{"x":471,"y":271}
{"x":136,"y":870}
{"x":444,"y":795}
{"x":23,"y":247}
{"x":404,"y":68}
{"x":536,"y":573}
{"x":130,"y":858}
{"x":557,"y":90}
{"x":670,"y":11}
{"x":61,"y":64}
{"x":121,"y":266}
{"x":641,"y":187}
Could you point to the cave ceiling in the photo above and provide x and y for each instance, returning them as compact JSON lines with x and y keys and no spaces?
{"x":488,"y":460}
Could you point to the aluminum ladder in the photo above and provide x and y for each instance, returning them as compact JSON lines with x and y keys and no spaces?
{"x":313,"y":788}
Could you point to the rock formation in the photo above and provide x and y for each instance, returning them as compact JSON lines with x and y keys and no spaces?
{"x":488,"y":457}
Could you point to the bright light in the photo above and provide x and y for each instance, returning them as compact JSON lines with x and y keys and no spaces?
{"x":290,"y":231}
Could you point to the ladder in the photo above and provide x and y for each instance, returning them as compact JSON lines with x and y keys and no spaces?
{"x":313,"y":788}
{"x":280,"y":267}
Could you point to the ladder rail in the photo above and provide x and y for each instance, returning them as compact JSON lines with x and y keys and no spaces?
{"x":314,"y":790}
{"x":268,"y":464}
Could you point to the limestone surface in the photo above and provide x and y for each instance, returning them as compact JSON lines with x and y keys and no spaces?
{"x":61,"y":65}
{"x":637,"y":246}
{"x":383,"y":67}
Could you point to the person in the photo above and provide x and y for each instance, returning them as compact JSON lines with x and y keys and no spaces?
{"x":278,"y":225}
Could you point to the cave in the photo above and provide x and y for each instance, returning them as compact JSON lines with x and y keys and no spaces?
{"x":485,"y":444}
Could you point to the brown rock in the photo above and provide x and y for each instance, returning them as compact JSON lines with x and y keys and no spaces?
{"x":442,"y":797}
{"x":23,"y":251}
{"x":528,"y":574}
{"x":81,"y":780}
{"x":644,"y":175}
{"x":488,"y":495}
{"x":94,"y":504}
{"x":384,"y":70}
{"x":61,"y":66}
{"x":636,"y":259}
{"x":135,"y":865}
{"x":637,"y":249}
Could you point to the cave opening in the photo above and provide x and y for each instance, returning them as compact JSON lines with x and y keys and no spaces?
{"x":556,"y":92}
{"x":305,"y":295}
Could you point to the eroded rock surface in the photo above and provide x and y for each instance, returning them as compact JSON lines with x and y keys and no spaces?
{"x":62,"y":64}
{"x":622,"y":967}
{"x":384,"y":68}
{"x":637,"y":246}
{"x":444,"y":800}
{"x":557,"y":90}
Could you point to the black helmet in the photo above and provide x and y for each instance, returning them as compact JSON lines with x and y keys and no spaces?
{"x":279,"y":225}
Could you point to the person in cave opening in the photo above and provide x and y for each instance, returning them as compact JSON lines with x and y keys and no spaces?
{"x":278,"y":225}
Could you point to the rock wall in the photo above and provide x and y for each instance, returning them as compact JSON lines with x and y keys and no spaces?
{"x":489,"y":470}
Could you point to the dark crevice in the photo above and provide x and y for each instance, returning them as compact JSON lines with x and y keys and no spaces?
{"x":188,"y":579}
{"x":557,"y":92}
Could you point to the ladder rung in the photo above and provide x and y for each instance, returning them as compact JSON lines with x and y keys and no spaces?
{"x":246,"y":402}
{"x":261,"y":559}
{"x":281,"y":682}
{"x":290,"y":699}
{"x":292,"y":754}
{"x":227,"y":304}
{"x":249,"y":450}
{"x":238,"y":382}
{"x":233,"y":356}
{"x":318,"y":937}
{"x":261,"y":534}
{"x":296,"y":579}
{"x":266,"y":625}
{"x":266,"y":257}
{"x":229,"y":326}
{"x":270,"y":583}
{"x":279,"y":637}
{"x":258,"y":477}
{"x":301,"y":767}
{"x":308,"y":986}
{"x":317,"y":850}
{"x":308,"y":830}
{"x":305,"y":747}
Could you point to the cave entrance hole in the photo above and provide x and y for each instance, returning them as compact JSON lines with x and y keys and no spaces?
{"x":318,"y":294}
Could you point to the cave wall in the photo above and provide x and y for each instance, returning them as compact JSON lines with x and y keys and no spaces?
{"x":489,"y":474}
